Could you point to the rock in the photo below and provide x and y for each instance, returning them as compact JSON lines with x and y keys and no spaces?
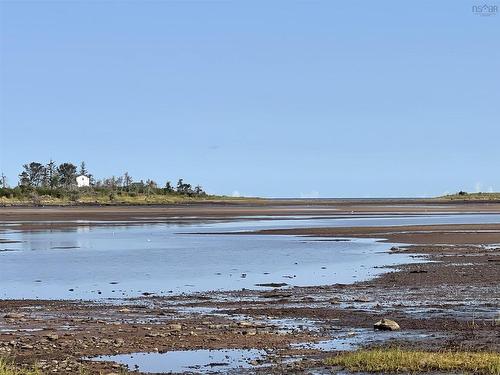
{"x":272,"y":285}
{"x":419,"y":271}
{"x":174,"y":327}
{"x":386,"y":325}
{"x":250,"y":332}
{"x":52,"y":337}
{"x":362,"y":299}
{"x":14,"y":316}
{"x":245,"y":324}
{"x":276,"y":294}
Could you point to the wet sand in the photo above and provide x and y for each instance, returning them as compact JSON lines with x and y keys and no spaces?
{"x":456,"y":234}
{"x":450,"y":300}
{"x":275,"y":207}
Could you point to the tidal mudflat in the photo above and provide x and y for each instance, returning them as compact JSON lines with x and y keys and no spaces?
{"x":274,"y":289}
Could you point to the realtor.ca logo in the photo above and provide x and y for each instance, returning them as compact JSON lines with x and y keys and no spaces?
{"x":485,"y":10}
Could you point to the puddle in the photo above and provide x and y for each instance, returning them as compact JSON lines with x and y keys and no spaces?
{"x":6,"y":330}
{"x":196,"y":361}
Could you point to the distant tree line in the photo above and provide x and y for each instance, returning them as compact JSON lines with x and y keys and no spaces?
{"x":60,"y":180}
{"x":50,"y":175}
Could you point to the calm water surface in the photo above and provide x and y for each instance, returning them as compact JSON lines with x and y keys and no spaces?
{"x":193,"y":361}
{"x":123,"y":260}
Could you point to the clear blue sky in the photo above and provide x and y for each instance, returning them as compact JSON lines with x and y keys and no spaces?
{"x":268,"y":98}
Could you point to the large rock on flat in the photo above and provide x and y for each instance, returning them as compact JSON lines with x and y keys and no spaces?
{"x":387,"y":325}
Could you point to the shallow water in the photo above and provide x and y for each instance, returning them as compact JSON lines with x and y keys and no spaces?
{"x":359,"y":337}
{"x":196,"y":361}
{"x":91,"y":262}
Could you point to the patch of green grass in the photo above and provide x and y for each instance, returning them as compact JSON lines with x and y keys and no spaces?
{"x":7,"y":368}
{"x":463,"y":196}
{"x":410,"y":361}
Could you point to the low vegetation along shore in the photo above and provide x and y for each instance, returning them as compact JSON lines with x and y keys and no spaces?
{"x":413,"y":361}
{"x":93,"y":196}
{"x":7,"y":368}
{"x":464,"y":196}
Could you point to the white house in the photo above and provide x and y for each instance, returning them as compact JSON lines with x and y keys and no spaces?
{"x":82,"y":181}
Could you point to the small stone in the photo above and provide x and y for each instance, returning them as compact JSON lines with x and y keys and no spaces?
{"x":250,"y":332}
{"x":174,"y":327}
{"x":245,"y":324}
{"x":386,"y":325}
{"x":52,"y":337}
{"x":497,"y":319}
{"x":362,"y":299}
{"x":14,"y":316}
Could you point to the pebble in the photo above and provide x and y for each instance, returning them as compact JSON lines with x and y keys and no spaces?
{"x":52,"y":337}
{"x":174,"y":327}
{"x":14,"y":316}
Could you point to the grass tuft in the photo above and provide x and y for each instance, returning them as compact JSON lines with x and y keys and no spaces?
{"x":7,"y":368}
{"x":410,"y":361}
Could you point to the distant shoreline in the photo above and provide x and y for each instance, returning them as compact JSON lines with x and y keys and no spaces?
{"x":99,"y":198}
{"x":239,"y":208}
{"x":159,"y":201}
